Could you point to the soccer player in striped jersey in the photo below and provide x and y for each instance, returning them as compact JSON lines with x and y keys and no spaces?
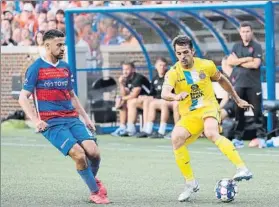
{"x":49,"y":81}
{"x":191,"y":79}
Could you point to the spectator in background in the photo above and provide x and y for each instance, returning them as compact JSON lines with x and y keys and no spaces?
{"x":129,"y":39}
{"x":60,"y":16}
{"x":6,"y":28}
{"x":26,"y":39}
{"x":132,"y":85}
{"x":8,"y":14}
{"x":61,"y":26}
{"x":50,"y":15}
{"x":17,"y":35}
{"x":111,"y":37}
{"x":42,"y":16}
{"x":52,"y":24}
{"x":246,"y":57}
{"x":26,"y":19}
{"x":43,"y":26}
{"x":40,"y":43}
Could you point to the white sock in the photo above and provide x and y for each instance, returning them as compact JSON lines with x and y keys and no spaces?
{"x":149,"y":127}
{"x":122,"y":126}
{"x":162,"y":129}
{"x":144,"y":128}
{"x":131,"y":128}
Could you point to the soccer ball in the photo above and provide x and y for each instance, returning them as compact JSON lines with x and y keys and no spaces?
{"x":226,"y":190}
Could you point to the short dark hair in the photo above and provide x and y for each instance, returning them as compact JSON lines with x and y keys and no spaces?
{"x":182,"y":40}
{"x":130,"y":63}
{"x":246,"y":24}
{"x":60,"y":11}
{"x":43,"y":10}
{"x":162,"y":59}
{"x":53,"y":33}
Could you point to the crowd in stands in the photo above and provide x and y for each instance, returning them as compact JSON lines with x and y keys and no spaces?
{"x":21,"y":21}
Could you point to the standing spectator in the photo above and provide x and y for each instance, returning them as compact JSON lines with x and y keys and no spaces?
{"x":247,"y":57}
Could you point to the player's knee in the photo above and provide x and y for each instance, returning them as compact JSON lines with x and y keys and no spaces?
{"x":211,"y":134}
{"x":94,"y":154}
{"x":78,"y":154}
{"x":178,"y":139}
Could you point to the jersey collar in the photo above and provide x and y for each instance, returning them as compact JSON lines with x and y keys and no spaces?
{"x":52,"y":64}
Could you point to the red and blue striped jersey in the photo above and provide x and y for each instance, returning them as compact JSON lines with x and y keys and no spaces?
{"x":51,"y":85}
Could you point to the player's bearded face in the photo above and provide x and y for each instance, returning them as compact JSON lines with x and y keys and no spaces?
{"x":184,"y":54}
{"x":161,"y":67}
{"x":128,"y":71}
{"x":57,"y":47}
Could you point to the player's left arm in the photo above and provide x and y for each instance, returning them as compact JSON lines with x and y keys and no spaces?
{"x":256,"y":61}
{"x":216,"y":75}
{"x":227,"y":86}
{"x":77,"y":105}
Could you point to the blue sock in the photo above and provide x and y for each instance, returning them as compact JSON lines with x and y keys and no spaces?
{"x":89,"y":179}
{"x":94,"y":165}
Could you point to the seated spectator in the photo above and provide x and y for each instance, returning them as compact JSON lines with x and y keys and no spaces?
{"x":52,"y":24}
{"x":132,"y":85}
{"x":26,"y":19}
{"x":42,"y":17}
{"x":17,"y":35}
{"x":111,"y":37}
{"x":43,"y":26}
{"x":150,"y":106}
{"x":129,"y":39}
{"x":50,"y":15}
{"x":40,"y":43}
{"x":26,"y":39}
{"x":8,"y":14}
{"x":60,"y":16}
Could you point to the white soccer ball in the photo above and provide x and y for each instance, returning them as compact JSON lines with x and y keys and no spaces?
{"x":226,"y":190}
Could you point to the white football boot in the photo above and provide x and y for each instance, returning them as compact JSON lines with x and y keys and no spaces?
{"x":189,"y":189}
{"x":242,"y":174}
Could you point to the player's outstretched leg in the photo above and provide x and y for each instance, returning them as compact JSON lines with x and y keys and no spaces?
{"x":94,"y":163}
{"x":77,"y":153}
{"x":182,"y":158}
{"x":211,"y":131}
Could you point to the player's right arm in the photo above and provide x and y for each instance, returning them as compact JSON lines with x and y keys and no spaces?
{"x":169,"y":85}
{"x":28,"y":88}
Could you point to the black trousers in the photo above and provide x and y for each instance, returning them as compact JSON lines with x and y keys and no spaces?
{"x":254,"y":97}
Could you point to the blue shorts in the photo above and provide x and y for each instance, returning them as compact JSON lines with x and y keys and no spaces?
{"x":65,"y":135}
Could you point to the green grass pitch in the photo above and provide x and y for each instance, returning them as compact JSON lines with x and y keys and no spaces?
{"x":137,"y":173}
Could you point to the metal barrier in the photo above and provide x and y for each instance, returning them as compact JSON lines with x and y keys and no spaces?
{"x":267,"y":20}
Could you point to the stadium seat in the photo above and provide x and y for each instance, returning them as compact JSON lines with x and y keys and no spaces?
{"x":102,"y":109}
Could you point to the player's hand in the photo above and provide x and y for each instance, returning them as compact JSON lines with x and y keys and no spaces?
{"x":41,"y":126}
{"x":244,"y":104}
{"x":122,"y":80}
{"x":181,"y":96}
{"x":90,"y":125}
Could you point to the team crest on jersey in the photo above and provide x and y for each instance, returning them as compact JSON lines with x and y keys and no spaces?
{"x":251,"y":49}
{"x":202,"y":75}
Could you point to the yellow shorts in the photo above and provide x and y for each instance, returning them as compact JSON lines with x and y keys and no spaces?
{"x":194,"y":121}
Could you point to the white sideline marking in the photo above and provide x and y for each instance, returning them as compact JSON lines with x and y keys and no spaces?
{"x":135,"y":149}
